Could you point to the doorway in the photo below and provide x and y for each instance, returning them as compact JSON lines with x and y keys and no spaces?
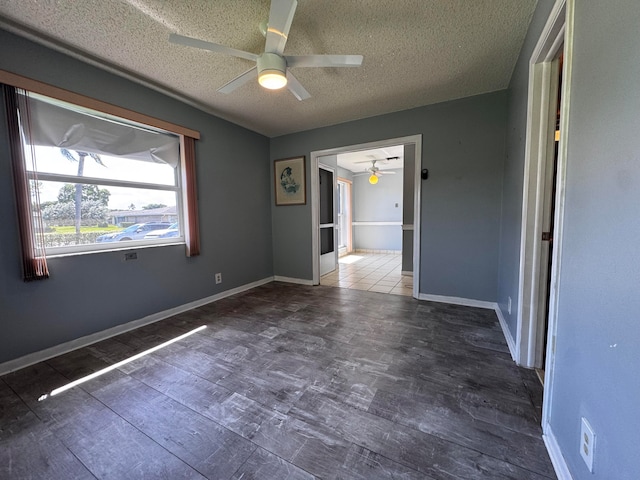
{"x":414,"y":143}
{"x":374,"y":263}
{"x":534,"y":327}
{"x":548,"y":216}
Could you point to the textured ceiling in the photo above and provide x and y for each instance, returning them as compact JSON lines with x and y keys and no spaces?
{"x":416,"y":52}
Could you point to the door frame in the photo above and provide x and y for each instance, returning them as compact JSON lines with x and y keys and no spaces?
{"x":558,"y":31}
{"x":349,"y":246}
{"x":415,"y":140}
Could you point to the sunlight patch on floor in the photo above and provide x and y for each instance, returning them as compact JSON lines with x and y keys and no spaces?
{"x":349,"y":259}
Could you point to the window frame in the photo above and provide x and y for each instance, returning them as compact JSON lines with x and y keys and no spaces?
{"x":53,"y":252}
{"x":185,"y":181}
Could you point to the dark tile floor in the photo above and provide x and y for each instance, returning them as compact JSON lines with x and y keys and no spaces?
{"x":286,"y":382}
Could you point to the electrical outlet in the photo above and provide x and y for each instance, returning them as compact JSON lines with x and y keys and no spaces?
{"x":218,"y":278}
{"x":587,"y":443}
{"x":509,"y":306}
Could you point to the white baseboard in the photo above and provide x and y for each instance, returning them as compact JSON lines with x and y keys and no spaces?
{"x":467,"y":302}
{"x":408,"y":274}
{"x":507,"y":333}
{"x":557,"y":459}
{"x":32,"y":358}
{"x":299,"y":281}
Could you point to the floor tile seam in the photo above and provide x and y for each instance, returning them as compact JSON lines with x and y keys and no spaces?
{"x":326,"y":339}
{"x":64,"y":444}
{"x":399,"y":461}
{"x":171,"y":399}
{"x":449,"y":395}
{"x":181,"y":368}
{"x":20,"y":399}
{"x":293,"y":456}
{"x":448,"y":440}
{"x":289,"y":461}
{"x":245,"y":460}
{"x":135,"y":428}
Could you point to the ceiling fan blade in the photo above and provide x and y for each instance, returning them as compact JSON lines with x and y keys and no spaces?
{"x":280,"y":19}
{"x":382,"y":160}
{"x":213,"y":47}
{"x":239,"y":80}
{"x":296,"y":87}
{"x":324,"y":60}
{"x":382,"y":172}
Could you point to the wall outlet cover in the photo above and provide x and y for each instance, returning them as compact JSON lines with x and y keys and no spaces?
{"x":587,"y":443}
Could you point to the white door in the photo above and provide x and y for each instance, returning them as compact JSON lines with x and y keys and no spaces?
{"x":328,"y":250}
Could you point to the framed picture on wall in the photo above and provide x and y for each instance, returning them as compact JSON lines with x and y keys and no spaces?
{"x":290,"y":180}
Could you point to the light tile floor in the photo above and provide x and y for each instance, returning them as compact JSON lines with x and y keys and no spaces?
{"x":370,"y":271}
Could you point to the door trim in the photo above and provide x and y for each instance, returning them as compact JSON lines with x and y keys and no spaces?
{"x":558,"y":30}
{"x":540,"y":104}
{"x":415,"y":140}
{"x":348,"y":185}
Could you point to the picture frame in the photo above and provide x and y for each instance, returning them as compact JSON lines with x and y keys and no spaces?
{"x":290,"y":179}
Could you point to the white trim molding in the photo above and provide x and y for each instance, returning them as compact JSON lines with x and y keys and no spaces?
{"x":415,"y":140}
{"x":298,"y":281}
{"x":507,"y":333}
{"x":555,"y":454}
{"x":540,"y":112}
{"x":554,"y":294}
{"x":467,"y":302}
{"x":46,"y":354}
{"x":557,"y":32}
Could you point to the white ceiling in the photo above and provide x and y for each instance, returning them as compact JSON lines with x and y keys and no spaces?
{"x":416,"y":52}
{"x":360,"y":162}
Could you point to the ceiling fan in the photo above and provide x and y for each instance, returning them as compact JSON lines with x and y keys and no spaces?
{"x":273,"y":67}
{"x":373,"y":171}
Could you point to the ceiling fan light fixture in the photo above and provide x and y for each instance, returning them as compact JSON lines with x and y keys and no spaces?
{"x":271,"y":71}
{"x":272,"y":79}
{"x":373,"y":179}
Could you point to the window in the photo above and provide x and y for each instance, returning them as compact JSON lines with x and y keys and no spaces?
{"x":103,"y":182}
{"x":77,"y":160}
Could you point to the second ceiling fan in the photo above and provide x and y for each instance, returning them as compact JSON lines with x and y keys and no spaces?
{"x":272,"y":66}
{"x":373,"y":171}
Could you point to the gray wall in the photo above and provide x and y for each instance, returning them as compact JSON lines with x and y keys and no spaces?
{"x":597,"y":364}
{"x":344,"y":173}
{"x":90,"y":293}
{"x":598,"y":338}
{"x":463,"y":147}
{"x":511,"y":215}
{"x":378,"y":203}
